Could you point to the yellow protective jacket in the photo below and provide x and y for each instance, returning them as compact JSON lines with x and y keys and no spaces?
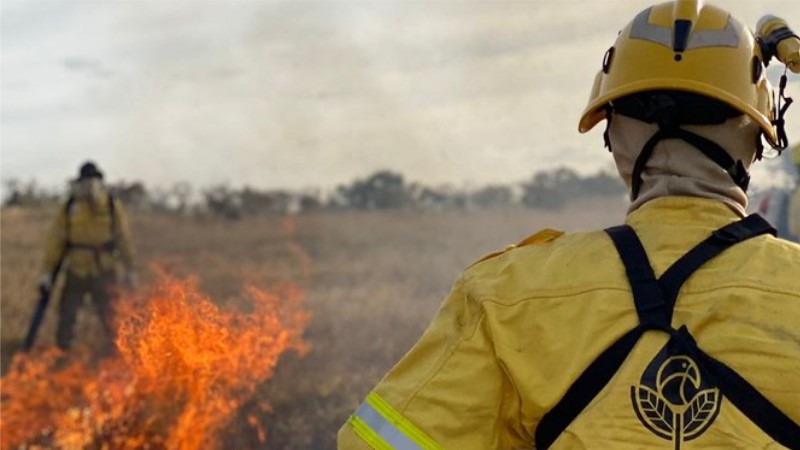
{"x":519,"y":327}
{"x":90,"y":240}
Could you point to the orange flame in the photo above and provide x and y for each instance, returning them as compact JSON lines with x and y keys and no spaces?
{"x":184,"y":368}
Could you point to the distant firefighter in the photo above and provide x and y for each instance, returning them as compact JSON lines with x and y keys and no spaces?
{"x":794,"y":205}
{"x":89,"y":239}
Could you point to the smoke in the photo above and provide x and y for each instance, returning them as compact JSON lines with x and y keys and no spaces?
{"x":292,"y":94}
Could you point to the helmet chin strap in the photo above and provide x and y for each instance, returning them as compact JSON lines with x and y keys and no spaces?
{"x":710,"y":149}
{"x":782,"y":105}
{"x":607,"y":133}
{"x":780,"y":122}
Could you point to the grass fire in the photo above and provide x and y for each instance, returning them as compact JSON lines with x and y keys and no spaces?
{"x":183,"y":369}
{"x":210,"y":353}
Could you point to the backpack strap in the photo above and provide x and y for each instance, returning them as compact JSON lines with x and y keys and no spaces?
{"x":648,"y":296}
{"x":585,"y":389}
{"x":741,"y":393}
{"x":108,"y":246}
{"x":750,"y":401}
{"x":649,"y":302}
{"x":112,"y":212}
{"x":68,"y":222}
{"x":674,"y":277}
{"x":654,"y":300}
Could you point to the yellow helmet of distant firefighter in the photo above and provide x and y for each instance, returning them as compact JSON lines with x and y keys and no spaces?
{"x":701,"y":49}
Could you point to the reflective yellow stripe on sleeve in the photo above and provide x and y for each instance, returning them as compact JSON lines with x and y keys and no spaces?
{"x":382,"y":427}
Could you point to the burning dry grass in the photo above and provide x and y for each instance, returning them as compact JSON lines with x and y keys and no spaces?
{"x":185,"y":367}
{"x":372,"y":281}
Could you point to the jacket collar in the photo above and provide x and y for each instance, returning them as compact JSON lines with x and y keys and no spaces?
{"x":683,"y":210}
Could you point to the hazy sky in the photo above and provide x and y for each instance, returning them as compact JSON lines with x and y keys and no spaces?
{"x":295,"y":94}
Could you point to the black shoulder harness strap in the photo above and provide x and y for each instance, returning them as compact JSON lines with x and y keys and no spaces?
{"x":111,"y":212}
{"x":108,"y":246}
{"x":655,"y":302}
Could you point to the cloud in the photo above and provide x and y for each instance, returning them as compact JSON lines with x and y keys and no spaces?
{"x":86,"y":66}
{"x":297,"y":93}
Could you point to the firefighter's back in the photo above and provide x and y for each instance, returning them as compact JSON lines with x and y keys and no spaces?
{"x":552,"y":309}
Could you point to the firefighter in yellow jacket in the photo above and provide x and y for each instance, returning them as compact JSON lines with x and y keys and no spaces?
{"x":676,"y":330}
{"x":794,"y":204}
{"x":92,"y":235}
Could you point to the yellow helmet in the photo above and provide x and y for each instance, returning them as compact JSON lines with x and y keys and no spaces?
{"x":686,"y":46}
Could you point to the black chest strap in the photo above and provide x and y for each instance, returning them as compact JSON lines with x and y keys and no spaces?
{"x":106,"y":247}
{"x":655,"y":302}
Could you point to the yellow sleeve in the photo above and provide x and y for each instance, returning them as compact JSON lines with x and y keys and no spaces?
{"x":447,"y":392}
{"x":794,"y":214}
{"x":124,"y":239}
{"x":347,"y":439}
{"x":56,"y":242}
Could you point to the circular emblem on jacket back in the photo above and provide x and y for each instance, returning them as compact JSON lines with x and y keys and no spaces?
{"x":673,"y":400}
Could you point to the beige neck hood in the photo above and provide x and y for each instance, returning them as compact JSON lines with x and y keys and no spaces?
{"x":677,"y":168}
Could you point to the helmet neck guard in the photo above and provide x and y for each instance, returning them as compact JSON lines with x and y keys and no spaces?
{"x":670,"y":110}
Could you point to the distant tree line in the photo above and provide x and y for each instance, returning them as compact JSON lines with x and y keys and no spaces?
{"x":381,"y":190}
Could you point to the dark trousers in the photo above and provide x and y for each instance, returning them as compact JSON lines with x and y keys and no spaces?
{"x":100,"y":290}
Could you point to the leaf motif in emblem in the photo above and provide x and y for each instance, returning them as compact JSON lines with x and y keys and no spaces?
{"x":701,"y":413}
{"x":653,"y":411}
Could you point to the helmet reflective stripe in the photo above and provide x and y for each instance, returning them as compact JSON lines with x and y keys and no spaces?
{"x":383,"y":427}
{"x":641,"y":29}
{"x":662,"y":35}
{"x":729,"y":37}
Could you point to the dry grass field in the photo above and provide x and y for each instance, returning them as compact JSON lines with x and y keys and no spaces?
{"x":371,"y":280}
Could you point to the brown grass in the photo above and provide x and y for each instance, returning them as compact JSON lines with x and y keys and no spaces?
{"x":374,"y":282}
